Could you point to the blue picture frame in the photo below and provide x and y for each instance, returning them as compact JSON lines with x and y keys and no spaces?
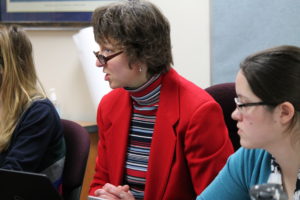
{"x":49,"y":18}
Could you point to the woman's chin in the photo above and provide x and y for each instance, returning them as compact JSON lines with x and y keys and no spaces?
{"x":247,"y":145}
{"x":113,"y":86}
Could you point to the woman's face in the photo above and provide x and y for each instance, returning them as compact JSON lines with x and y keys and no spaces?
{"x":117,"y":70}
{"x":258,"y":127}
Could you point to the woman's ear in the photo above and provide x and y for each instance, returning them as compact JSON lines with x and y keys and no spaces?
{"x":139,"y":67}
{"x":286,"y":112}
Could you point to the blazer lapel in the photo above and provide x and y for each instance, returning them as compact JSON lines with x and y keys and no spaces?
{"x":164,"y":138}
{"x":120,"y":131}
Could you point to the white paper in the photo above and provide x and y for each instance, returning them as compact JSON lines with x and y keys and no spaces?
{"x":86,"y":44}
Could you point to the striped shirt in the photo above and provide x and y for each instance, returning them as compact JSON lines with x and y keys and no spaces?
{"x":145,"y":104}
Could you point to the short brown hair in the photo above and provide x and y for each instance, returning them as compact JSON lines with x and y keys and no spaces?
{"x":140,"y":29}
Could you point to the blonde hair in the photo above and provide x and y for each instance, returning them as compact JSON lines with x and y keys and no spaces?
{"x":19,"y":84}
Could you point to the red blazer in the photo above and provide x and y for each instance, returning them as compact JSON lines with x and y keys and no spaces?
{"x":190,"y":143}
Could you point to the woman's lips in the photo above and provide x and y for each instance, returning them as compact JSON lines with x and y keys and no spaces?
{"x":106,"y":77}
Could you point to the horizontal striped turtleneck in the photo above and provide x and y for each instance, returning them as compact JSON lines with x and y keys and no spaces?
{"x":145,"y":104}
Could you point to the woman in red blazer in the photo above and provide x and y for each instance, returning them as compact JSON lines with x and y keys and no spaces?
{"x":161,"y":136}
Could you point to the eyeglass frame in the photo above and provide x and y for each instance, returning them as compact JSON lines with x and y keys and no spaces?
{"x":104,"y":59}
{"x":240,"y":105}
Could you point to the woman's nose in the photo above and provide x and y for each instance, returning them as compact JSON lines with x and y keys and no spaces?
{"x":236,"y":115}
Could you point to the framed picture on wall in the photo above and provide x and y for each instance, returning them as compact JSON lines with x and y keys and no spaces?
{"x":49,"y":12}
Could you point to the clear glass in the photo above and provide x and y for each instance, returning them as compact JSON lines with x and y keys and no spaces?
{"x":268,"y":191}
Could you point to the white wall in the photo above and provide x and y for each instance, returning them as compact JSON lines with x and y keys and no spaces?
{"x":190,"y":33}
{"x":58,"y":65}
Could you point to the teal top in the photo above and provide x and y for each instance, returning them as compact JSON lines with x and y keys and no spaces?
{"x":244,"y":168}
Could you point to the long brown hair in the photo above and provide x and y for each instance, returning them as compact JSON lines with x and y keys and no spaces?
{"x":19,"y":84}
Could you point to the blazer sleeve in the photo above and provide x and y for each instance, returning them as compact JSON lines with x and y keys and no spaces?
{"x":207,"y":144}
{"x":101,"y":173}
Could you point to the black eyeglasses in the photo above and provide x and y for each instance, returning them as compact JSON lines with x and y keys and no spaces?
{"x":240,"y":105}
{"x":103,"y":59}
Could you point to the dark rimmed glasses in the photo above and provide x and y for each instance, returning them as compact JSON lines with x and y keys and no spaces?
{"x":240,"y":105}
{"x":103,"y":59}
